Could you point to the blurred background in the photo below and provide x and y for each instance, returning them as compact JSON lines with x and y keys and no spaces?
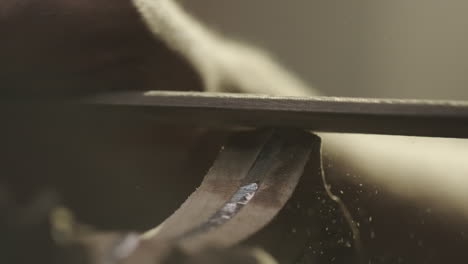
{"x":360,"y":48}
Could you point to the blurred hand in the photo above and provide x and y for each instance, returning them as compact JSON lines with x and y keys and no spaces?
{"x":69,"y":47}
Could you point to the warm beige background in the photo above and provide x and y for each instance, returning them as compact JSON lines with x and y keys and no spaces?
{"x":375,"y":48}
